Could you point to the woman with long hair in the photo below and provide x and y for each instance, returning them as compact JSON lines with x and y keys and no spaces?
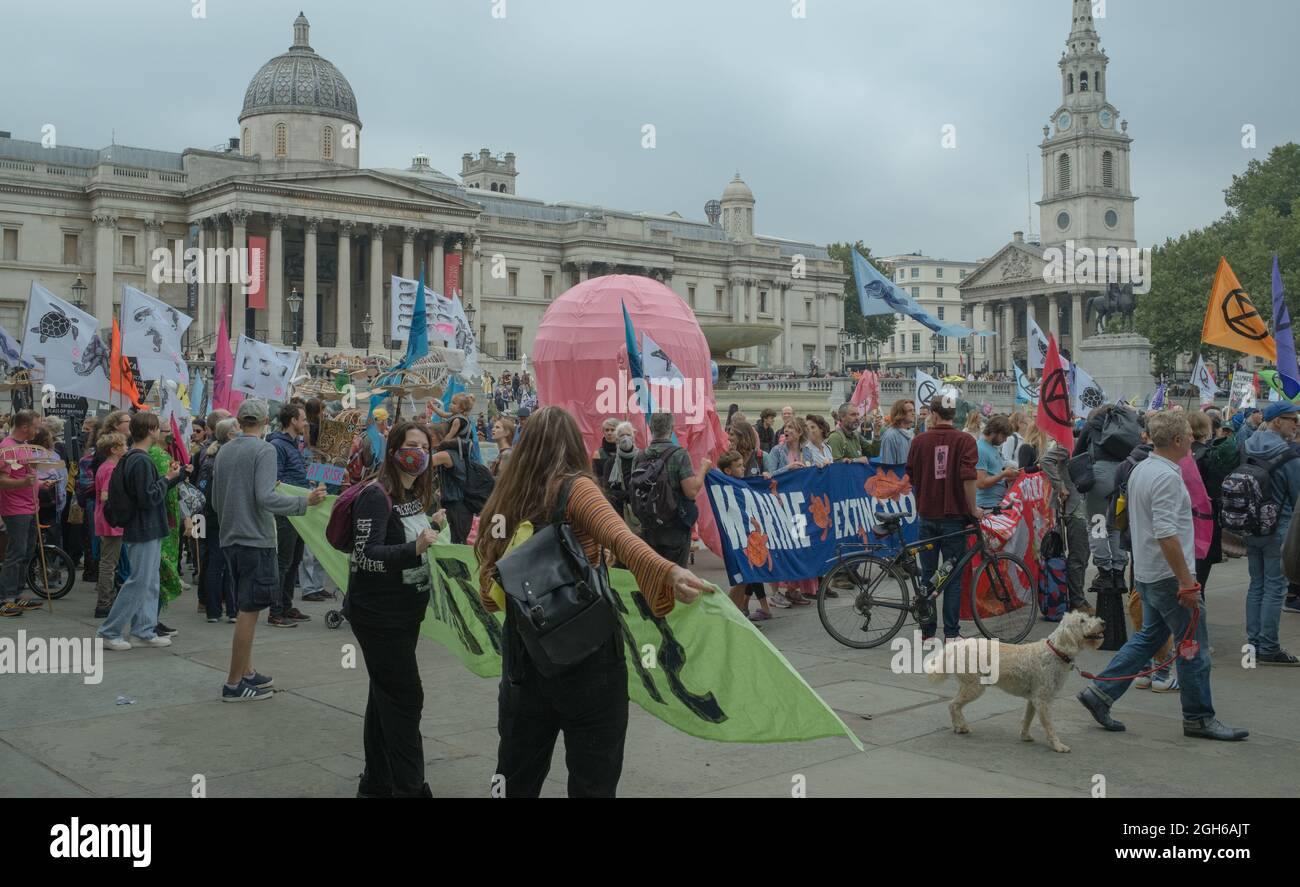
{"x":589,"y":701}
{"x":503,"y":434}
{"x":793,"y":451}
{"x":742,"y":441}
{"x":388,"y":592}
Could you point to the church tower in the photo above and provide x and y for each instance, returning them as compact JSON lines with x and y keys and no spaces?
{"x":1086,"y":193}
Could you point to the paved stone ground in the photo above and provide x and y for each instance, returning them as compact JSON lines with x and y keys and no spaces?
{"x":62,"y":738}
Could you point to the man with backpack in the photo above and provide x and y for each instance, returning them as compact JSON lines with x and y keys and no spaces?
{"x":1109,"y":435}
{"x":663,"y":490}
{"x":137,"y":503}
{"x":1258,"y":501}
{"x":244,"y":493}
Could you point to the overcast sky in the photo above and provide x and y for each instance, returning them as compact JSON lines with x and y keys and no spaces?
{"x":833,"y":120}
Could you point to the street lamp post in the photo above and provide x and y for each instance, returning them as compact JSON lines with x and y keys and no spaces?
{"x":366,"y":325}
{"x":934,"y":353}
{"x":295,"y":306}
{"x":79,"y":293}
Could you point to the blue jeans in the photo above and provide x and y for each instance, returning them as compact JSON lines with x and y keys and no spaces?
{"x":1266,"y":593}
{"x":21,"y":529}
{"x":136,"y":607}
{"x":952,"y":549}
{"x":1162,"y":615}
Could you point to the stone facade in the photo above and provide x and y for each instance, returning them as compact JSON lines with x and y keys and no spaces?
{"x":337,"y":232}
{"x":934,"y":284}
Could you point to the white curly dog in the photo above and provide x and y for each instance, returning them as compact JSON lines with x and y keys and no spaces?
{"x":1034,"y":672}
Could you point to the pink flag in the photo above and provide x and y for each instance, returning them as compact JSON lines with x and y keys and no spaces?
{"x":223,"y":398}
{"x":866,"y":397}
{"x":177,"y":448}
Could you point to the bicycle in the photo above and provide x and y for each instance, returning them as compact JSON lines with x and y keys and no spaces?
{"x":873,"y":599}
{"x":60,"y":573}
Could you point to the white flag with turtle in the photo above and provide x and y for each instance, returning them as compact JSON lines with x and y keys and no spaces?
{"x":1085,"y":393}
{"x":152,"y":332}
{"x":926,"y":387}
{"x":65,"y":339}
{"x":1203,"y":379}
{"x":1036,"y":346}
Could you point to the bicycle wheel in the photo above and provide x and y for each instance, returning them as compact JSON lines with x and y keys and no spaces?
{"x":60,"y":573}
{"x":870,"y":605}
{"x":1004,"y":598}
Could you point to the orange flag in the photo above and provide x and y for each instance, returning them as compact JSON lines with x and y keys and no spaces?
{"x":121,"y":378}
{"x":1231,"y":320}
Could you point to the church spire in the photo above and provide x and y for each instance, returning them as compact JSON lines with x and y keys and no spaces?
{"x":1083,"y":31}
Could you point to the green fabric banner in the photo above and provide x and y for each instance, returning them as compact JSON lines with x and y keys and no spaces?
{"x":704,"y":669}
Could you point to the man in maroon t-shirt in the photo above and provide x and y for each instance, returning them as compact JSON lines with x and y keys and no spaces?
{"x":941,"y":464}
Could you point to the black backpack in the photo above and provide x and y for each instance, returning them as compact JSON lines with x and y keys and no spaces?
{"x":478,"y":482}
{"x":120,"y":506}
{"x":1117,"y":511}
{"x":653,"y":498}
{"x":1119,"y":434}
{"x":1248,"y":507}
{"x":557,"y":602}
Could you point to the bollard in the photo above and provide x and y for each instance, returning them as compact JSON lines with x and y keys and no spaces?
{"x":1110,"y":607}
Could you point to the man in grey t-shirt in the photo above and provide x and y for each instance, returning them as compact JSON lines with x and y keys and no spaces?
{"x":1164,"y":547}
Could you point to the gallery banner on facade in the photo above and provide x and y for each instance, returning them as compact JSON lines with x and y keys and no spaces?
{"x":256,"y":271}
{"x":451,"y":274}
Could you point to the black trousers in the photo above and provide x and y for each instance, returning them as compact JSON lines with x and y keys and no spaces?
{"x":459,"y":520}
{"x":289,"y":547}
{"x":393,"y":744}
{"x":587,"y":703}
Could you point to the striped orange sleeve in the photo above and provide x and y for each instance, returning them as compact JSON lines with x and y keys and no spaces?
{"x":599,"y":526}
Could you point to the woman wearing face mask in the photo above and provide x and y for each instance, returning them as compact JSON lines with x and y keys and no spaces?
{"x":388,"y":591}
{"x":619,"y":476}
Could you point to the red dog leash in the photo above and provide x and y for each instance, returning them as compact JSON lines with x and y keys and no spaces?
{"x":1188,"y":647}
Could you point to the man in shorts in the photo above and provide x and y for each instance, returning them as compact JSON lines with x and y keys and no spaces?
{"x":243,"y":491}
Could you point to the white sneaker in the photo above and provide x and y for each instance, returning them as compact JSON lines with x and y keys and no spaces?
{"x":117,"y":644}
{"x":157,"y":641}
{"x":1142,"y":683}
{"x":777,"y":599}
{"x":1167,"y":684}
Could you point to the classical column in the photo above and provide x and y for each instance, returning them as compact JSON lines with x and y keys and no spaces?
{"x":821,"y":331}
{"x":1008,"y":334}
{"x":275,"y":283}
{"x":439,"y":254}
{"x":239,"y":243}
{"x":1054,"y":318}
{"x":785,"y":321}
{"x":473,"y":286}
{"x":583,"y":268}
{"x":152,"y":238}
{"x":734,"y":286}
{"x":343,"y":288}
{"x":377,"y":320}
{"x":309,"y":289}
{"x":1031,"y":316}
{"x":105,"y":254}
{"x":1077,"y":333}
{"x":408,"y":252}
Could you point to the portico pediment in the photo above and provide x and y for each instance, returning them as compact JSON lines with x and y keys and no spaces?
{"x":351,"y":185}
{"x":1015,"y":263}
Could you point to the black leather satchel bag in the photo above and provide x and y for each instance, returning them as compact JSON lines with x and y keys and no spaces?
{"x":1080,"y":469}
{"x":561,"y":605}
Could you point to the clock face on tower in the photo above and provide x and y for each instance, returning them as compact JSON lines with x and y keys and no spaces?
{"x":1105,"y":119}
{"x":1064,"y":121}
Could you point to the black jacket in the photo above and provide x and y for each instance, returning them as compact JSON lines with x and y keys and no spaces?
{"x":148,"y":492}
{"x":378,"y":595}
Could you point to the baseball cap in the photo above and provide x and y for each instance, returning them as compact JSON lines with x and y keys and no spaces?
{"x":1281,"y":408}
{"x":524,"y":413}
{"x":253,"y":408}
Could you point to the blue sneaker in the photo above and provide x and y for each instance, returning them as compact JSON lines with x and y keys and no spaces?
{"x":245,"y":692}
{"x":260,"y":680}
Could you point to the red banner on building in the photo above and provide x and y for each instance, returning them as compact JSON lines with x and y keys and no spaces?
{"x":256,"y":271}
{"x":451,"y":275}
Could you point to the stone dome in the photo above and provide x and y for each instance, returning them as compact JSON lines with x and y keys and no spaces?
{"x":300,"y":81}
{"x":737,"y":190}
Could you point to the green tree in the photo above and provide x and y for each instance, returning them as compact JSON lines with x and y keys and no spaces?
{"x":1259,"y":223}
{"x":874,"y":330}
